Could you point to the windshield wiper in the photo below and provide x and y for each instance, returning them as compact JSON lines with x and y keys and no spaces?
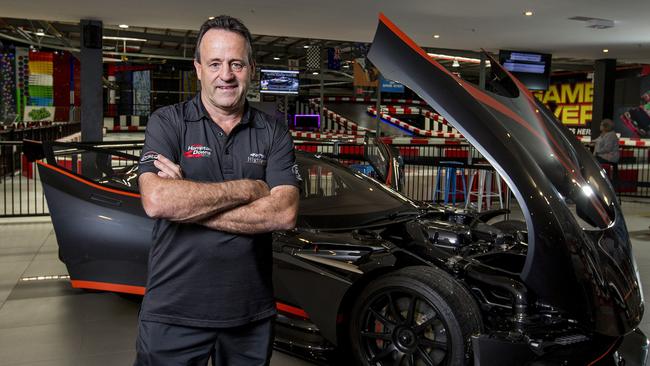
{"x":395,"y":216}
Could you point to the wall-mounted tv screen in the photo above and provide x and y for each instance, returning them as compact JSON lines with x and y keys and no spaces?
{"x":306,"y":122}
{"x":279,"y":81}
{"x":532,"y":69}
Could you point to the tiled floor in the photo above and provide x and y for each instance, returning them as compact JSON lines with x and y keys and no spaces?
{"x":46,"y":322}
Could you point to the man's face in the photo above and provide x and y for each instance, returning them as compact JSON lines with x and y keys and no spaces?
{"x":222,"y":53}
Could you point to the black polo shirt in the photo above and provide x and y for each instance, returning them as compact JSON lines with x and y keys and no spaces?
{"x":203,"y":277}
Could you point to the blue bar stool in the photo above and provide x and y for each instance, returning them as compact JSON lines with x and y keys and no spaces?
{"x":451,"y":170}
{"x":366,"y":169}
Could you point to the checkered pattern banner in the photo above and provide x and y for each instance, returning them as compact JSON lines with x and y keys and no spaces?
{"x":313,"y":58}
{"x":141,"y":93}
{"x":22,"y":80}
{"x":7,"y":87}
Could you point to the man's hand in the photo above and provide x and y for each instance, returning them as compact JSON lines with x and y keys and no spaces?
{"x":278,"y":211}
{"x":168,"y":169}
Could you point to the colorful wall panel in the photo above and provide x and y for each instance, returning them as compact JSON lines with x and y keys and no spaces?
{"x":41,"y":81}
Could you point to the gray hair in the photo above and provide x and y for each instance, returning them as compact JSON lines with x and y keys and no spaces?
{"x":230,"y":24}
{"x":607,"y":124}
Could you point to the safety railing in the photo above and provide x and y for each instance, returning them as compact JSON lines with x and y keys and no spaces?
{"x":38,"y":131}
{"x":423,"y":165}
{"x":633,"y":172}
{"x":21,"y":193}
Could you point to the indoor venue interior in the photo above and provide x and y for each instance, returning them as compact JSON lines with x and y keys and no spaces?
{"x":420,"y":183}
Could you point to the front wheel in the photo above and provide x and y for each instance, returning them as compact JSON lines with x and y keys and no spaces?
{"x":414,"y":316}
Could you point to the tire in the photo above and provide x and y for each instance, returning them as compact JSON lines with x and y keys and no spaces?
{"x":511,"y":226}
{"x":429,"y":323}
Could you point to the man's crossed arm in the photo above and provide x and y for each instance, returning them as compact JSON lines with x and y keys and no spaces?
{"x":242,"y":206}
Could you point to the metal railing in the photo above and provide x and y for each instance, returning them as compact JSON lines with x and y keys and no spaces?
{"x":633,"y":176}
{"x":38,"y":131}
{"x":21,"y":193}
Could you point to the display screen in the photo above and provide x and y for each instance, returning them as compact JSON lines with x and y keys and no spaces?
{"x":532,"y":69}
{"x":309,"y":122}
{"x":279,"y":81}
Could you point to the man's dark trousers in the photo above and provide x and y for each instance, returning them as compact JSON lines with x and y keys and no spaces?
{"x":171,"y":345}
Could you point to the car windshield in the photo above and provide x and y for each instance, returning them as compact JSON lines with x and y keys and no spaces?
{"x":334,"y":197}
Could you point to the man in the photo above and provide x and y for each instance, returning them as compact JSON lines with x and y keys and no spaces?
{"x":218,"y":176}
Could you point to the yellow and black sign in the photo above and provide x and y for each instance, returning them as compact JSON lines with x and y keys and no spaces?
{"x":572,"y":103}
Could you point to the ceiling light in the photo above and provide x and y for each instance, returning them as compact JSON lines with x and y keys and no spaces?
{"x":455,"y":64}
{"x":210,"y":18}
{"x":605,"y":50}
{"x":276,"y":58}
{"x":306,"y":46}
{"x":40,"y":32}
{"x":124,"y":39}
{"x":528,"y":13}
{"x":315,"y":73}
{"x":436,"y":36}
{"x":123,"y":26}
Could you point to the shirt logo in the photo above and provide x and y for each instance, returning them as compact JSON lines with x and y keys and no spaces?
{"x":255,"y":158}
{"x":197,"y":151}
{"x":296,"y":172}
{"x":149,"y":157}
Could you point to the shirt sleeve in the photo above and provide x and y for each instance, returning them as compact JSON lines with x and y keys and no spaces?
{"x":160,"y":137}
{"x":281,"y":168}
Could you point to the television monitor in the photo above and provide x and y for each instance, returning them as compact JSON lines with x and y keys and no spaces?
{"x":279,"y":81}
{"x":531,"y":68}
{"x":306,"y":122}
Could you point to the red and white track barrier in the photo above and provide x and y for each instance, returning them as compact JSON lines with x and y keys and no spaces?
{"x":318,"y":135}
{"x":347,"y":125}
{"x":415,"y":130}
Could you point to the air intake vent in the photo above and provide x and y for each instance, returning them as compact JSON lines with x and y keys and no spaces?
{"x":595,"y":23}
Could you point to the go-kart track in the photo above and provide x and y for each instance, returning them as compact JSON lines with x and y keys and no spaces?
{"x":357,"y":116}
{"x":357,"y":112}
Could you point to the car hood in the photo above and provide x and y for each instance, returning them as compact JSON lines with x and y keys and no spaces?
{"x":579,"y":257}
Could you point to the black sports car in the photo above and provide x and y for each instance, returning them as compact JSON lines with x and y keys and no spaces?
{"x":396,"y":282}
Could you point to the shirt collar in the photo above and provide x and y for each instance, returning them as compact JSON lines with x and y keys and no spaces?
{"x":195,"y":111}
